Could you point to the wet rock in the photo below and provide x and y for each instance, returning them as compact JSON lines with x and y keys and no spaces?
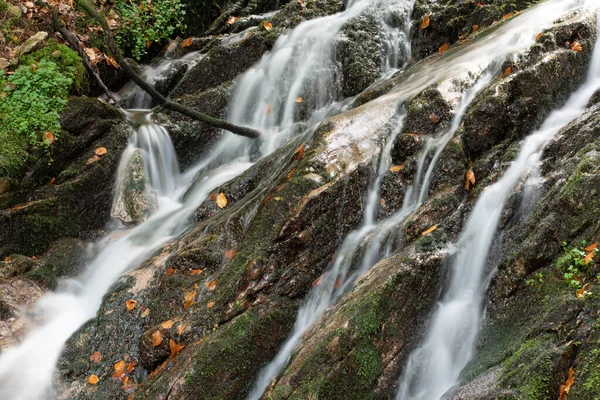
{"x":132,"y":203}
{"x":31,"y":44}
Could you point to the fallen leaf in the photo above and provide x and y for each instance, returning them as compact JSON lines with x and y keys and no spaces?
{"x":507,"y":16}
{"x":444,"y":48}
{"x":93,"y":379}
{"x":119,"y":369}
{"x":338,"y":283}
{"x":475,"y":28}
{"x":278,"y":198}
{"x":507,"y":72}
{"x":51,"y":183}
{"x":130,"y":304}
{"x":397,"y":168}
{"x":232,"y":20}
{"x":167,"y":324}
{"x":318,"y":281}
{"x":187,"y":42}
{"x":576,"y":46}
{"x":92,"y":160}
{"x":211,"y":285}
{"x":592,"y":247}
{"x":49,"y":137}
{"x":221,"y":200}
{"x":7,"y":259}
{"x":148,"y":43}
{"x":175,"y":348}
{"x":299,"y":99}
{"x":426,"y":21}
{"x":428,"y":231}
{"x":414,"y":136}
{"x":210,"y":304}
{"x":157,"y":338}
{"x":589,"y":257}
{"x":434,"y":118}
{"x":539,"y":35}
{"x":100,"y":151}
{"x":213,"y":196}
{"x":111,"y":61}
{"x":189,"y":298}
{"x":146,"y":313}
{"x":267,"y":25}
{"x":564,"y":389}
{"x":131,"y":366}
{"x":170,"y":271}
{"x":196,"y":271}
{"x":291,"y":173}
{"x":470,"y":179}
{"x":96,"y":357}
{"x":181,"y":328}
{"x":300,"y":151}
{"x":582,"y":292}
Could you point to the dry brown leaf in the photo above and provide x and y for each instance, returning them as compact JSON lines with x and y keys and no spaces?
{"x":92,"y":160}
{"x":51,"y":183}
{"x":318,"y":281}
{"x":428,"y":231}
{"x":211,"y":285}
{"x":157,"y":338}
{"x":444,"y":48}
{"x":130,"y":304}
{"x":167,"y":324}
{"x":588,"y":258}
{"x":187,"y":42}
{"x":229,"y":254}
{"x":564,"y":389}
{"x":434,"y":118}
{"x":221,"y":200}
{"x":111,"y":61}
{"x":175,"y":348}
{"x":96,"y":357}
{"x":397,"y":168}
{"x":232,"y":20}
{"x":213,"y":196}
{"x":300,"y":151}
{"x":425,"y":22}
{"x":267,"y":25}
{"x":592,"y":247}
{"x":290,"y":174}
{"x":475,"y":28}
{"x":146,"y":313}
{"x":131,"y":366}
{"x":470,"y":179}
{"x":189,"y":298}
{"x":148,"y":43}
{"x":576,"y":46}
{"x":181,"y":328}
{"x":93,"y":379}
{"x":210,"y":304}
{"x":100,"y":151}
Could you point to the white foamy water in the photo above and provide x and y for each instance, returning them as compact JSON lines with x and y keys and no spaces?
{"x":435,"y":367}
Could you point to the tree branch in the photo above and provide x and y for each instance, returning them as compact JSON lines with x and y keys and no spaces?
{"x":160,"y":99}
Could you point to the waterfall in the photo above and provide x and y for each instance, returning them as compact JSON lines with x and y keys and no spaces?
{"x":435,"y":367}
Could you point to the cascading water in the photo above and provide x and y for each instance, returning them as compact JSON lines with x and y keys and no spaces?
{"x":434,"y":368}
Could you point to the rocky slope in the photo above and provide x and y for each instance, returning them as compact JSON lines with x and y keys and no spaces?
{"x":251,"y":264}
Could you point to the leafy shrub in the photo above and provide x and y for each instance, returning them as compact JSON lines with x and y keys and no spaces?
{"x":32,"y":99}
{"x":146,"y":22}
{"x":3,"y":5}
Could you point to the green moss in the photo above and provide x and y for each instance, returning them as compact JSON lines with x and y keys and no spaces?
{"x":368,"y":360}
{"x":590,"y":371}
{"x":587,"y":165}
{"x":44,"y":275}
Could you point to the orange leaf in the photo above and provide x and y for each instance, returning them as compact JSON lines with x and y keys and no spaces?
{"x":167,"y":324}
{"x":211,"y":285}
{"x":299,"y":99}
{"x":96,"y":357}
{"x":51,"y":183}
{"x":507,"y":16}
{"x":507,"y":72}
{"x":221,"y":200}
{"x":189,"y":298}
{"x":181,"y":328}
{"x":93,"y":379}
{"x":428,"y":231}
{"x":196,"y":272}
{"x":232,"y":20}
{"x":213,"y":196}
{"x":92,"y":160}
{"x":475,"y":28}
{"x":291,"y":173}
{"x":148,"y":43}
{"x":592,"y":247}
{"x":589,"y":257}
{"x":100,"y":151}
{"x":576,"y":46}
{"x":318,"y":281}
{"x":111,"y":61}
{"x":582,"y":292}
{"x":131,"y":366}
{"x":444,"y":48}
{"x":157,"y":338}
{"x":187,"y":42}
{"x":175,"y":348}
{"x":229,"y":254}
{"x":539,"y":35}
{"x":130,"y":304}
{"x":267,"y":25}
{"x":119,"y":369}
{"x":426,"y":21}
{"x":210,"y":304}
{"x":49,"y":137}
{"x":397,"y":168}
{"x":470,"y":179}
{"x":434,"y":118}
{"x":300,"y":151}
{"x":564,"y":389}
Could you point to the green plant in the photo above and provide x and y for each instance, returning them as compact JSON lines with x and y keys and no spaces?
{"x":539,"y":278}
{"x":573,"y":264}
{"x":3,"y":5}
{"x":145,"y":22}
{"x":29,"y":112}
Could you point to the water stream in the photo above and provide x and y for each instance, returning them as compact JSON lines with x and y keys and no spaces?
{"x":435,"y":367}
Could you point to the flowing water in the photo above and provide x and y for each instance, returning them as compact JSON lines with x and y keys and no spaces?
{"x":434,"y":368}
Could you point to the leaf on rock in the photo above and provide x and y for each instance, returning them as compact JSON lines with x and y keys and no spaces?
{"x":232,"y":20}
{"x":267,"y":25}
{"x":507,"y":72}
{"x":92,"y":160}
{"x":190,"y":298}
{"x":130,"y":304}
{"x":588,"y":258}
{"x":318,"y":281}
{"x":131,"y":366}
{"x":592,"y":247}
{"x":213,"y":196}
{"x":538,"y":36}
{"x":229,"y":254}
{"x":428,"y":231}
{"x":581,"y":293}
{"x":221,"y":200}
{"x":170,"y":271}
{"x":100,"y":151}
{"x":475,"y":28}
{"x":576,"y":46}
{"x":157,"y":338}
{"x":210,"y":304}
{"x":444,"y":48}
{"x":111,"y":61}
{"x":470,"y":179}
{"x":167,"y":324}
{"x":397,"y":168}
{"x":196,"y":271}
{"x":181,"y":328}
{"x":96,"y":357}
{"x":425,"y":22}
{"x":299,"y":99}
{"x":211,"y":285}
{"x":93,"y":379}
{"x":48,"y":138}
{"x":119,"y":369}
{"x":434,"y":118}
{"x":300,"y":151}
{"x":564,"y":389}
{"x":175,"y":348}
{"x":187,"y":42}
{"x":507,"y":16}
{"x":146,"y":313}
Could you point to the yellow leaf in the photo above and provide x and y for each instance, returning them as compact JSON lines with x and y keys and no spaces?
{"x":539,"y":35}
{"x":187,"y":42}
{"x":232,"y":20}
{"x":425,"y":22}
{"x":211,"y":304}
{"x":146,"y":313}
{"x":564,"y":389}
{"x":470,"y":179}
{"x":576,"y":46}
{"x":267,"y":25}
{"x":175,"y":348}
{"x":100,"y":151}
{"x":277,"y":198}
{"x":189,"y":298}
{"x":93,"y":379}
{"x":131,"y":304}
{"x":397,"y":168}
{"x":428,"y":231}
{"x":96,"y":357}
{"x":592,"y":247}
{"x":157,"y":339}
{"x":211,"y":285}
{"x":299,"y":99}
{"x":444,"y":48}
{"x":167,"y":324}
{"x":181,"y":328}
{"x":221,"y":200}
